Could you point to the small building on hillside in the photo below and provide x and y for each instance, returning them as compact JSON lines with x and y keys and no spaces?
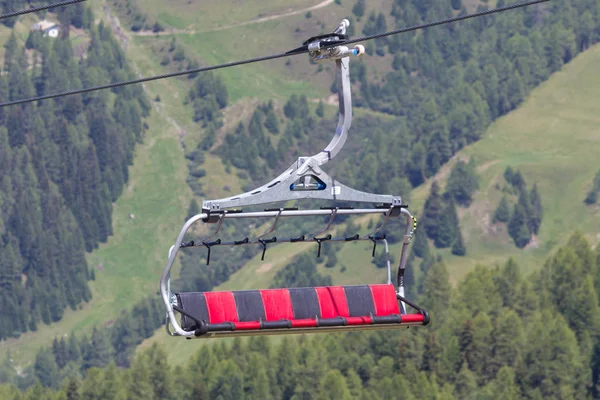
{"x":48,"y":28}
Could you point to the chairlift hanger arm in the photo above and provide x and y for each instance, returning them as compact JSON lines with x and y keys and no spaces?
{"x":297,"y":181}
{"x":282,"y":188}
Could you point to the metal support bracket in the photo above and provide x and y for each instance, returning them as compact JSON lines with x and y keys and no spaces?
{"x":297,"y":181}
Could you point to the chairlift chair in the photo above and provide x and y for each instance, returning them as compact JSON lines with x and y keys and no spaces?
{"x":296,"y":310}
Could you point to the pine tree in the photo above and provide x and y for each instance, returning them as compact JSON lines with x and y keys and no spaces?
{"x":479,"y":351}
{"x":436,"y":291}
{"x":462,"y":183}
{"x":271,"y":121}
{"x":549,"y":345}
{"x":457,"y":4}
{"x":458,"y":248}
{"x":320,"y":110}
{"x":517,"y":227}
{"x":98,"y":352}
{"x":432,"y":211}
{"x":160,"y":376}
{"x":59,"y":348}
{"x":507,"y":341}
{"x":420,"y":246}
{"x":334,"y":386}
{"x":45,"y":369}
{"x":431,"y":354}
{"x":193,"y":209}
{"x":73,"y":390}
{"x":517,"y":180}
{"x":331,"y":260}
{"x":502,"y":213}
{"x":536,"y":210}
{"x":504,"y":386}
{"x":447,"y":229}
{"x":509,"y":174}
{"x":415,"y":167}
{"x":359,"y":8}
{"x":592,"y":195}
{"x":11,"y":48}
{"x":438,"y":152}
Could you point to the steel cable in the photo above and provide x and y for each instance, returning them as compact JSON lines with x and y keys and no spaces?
{"x":40,"y":8}
{"x":300,"y":50}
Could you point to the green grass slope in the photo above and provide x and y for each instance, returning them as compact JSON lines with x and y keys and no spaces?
{"x":553,"y":138}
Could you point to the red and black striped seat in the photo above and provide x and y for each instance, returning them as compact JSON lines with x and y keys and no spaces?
{"x":294,"y":309}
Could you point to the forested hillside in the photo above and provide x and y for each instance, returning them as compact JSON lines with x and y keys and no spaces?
{"x":420,"y":98}
{"x":63,"y":163}
{"x":497,"y":335}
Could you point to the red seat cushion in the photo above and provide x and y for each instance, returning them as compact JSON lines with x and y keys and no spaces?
{"x":291,"y":308}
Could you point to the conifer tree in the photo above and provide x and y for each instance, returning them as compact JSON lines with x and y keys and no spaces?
{"x":46,"y":370}
{"x":271,"y":121}
{"x":462,"y":183}
{"x":517,"y":227}
{"x":431,"y":354}
{"x":73,"y":389}
{"x":536,"y":210}
{"x":466,"y":383}
{"x":420,"y":246}
{"x":320,"y":110}
{"x":359,"y":8}
{"x":448,"y":225}
{"x":436,"y":290}
{"x":438,"y":152}
{"x":458,"y":247}
{"x":415,"y":167}
{"x":432,"y":211}
{"x":504,"y":386}
{"x":193,"y":209}
{"x":509,"y":175}
{"x":592,"y":195}
{"x":334,"y":386}
{"x":98,"y":352}
{"x":502,"y":213}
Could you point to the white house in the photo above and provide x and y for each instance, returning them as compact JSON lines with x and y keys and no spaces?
{"x":48,"y":28}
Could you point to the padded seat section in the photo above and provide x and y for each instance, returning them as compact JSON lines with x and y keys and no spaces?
{"x":292,"y":308}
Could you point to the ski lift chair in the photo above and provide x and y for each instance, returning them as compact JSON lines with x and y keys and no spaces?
{"x":309,"y":309}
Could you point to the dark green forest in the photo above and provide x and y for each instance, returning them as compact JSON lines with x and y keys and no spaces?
{"x":496,"y":335}
{"x":64,"y":161}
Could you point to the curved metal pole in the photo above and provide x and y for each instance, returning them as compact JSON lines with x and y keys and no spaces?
{"x":380,"y":227}
{"x":408,"y":234}
{"x":333,"y":214}
{"x":167,"y":274}
{"x":345,"y":113}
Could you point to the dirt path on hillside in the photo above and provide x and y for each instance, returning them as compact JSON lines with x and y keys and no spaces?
{"x":221,"y":28}
{"x":124,"y":40}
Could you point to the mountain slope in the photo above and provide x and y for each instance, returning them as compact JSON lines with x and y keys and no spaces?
{"x":134,"y":269}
